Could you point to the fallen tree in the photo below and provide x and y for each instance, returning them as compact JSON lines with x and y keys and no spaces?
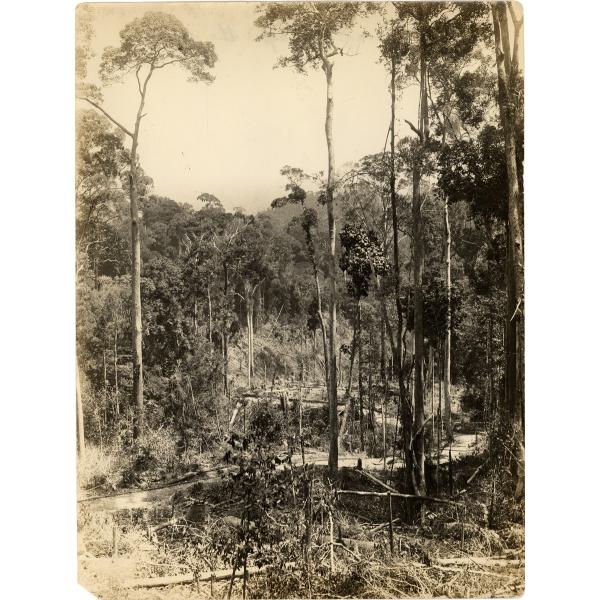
{"x":186,"y":578}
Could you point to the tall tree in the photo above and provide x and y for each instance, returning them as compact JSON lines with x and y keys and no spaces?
{"x":436,"y":33}
{"x":148,"y":44}
{"x":509,"y":76}
{"x":311,"y":28}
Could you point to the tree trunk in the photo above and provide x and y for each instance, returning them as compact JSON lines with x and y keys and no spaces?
{"x":251,"y":336}
{"x":515,"y":315}
{"x":195,"y":317}
{"x":249,"y":340}
{"x":384,"y":378}
{"x":224,"y":336}
{"x":136,"y":270}
{"x":80,"y":427}
{"x":448,"y":340}
{"x":105,"y":388}
{"x":397,"y":354}
{"x":432,"y":363}
{"x":116,"y":370}
{"x":370,"y":387}
{"x":314,"y":354}
{"x":418,"y":263}
{"x":333,"y":418}
{"x":360,"y":382}
{"x":322,"y":326}
{"x":348,"y":406}
{"x":136,"y":298}
{"x":210,"y":324}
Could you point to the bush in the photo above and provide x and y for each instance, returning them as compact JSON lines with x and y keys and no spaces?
{"x":267,"y":424}
{"x":155,"y":455}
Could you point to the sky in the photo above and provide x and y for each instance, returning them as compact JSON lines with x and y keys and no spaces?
{"x":231,"y":138}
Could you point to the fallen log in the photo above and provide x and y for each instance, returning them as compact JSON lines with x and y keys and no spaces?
{"x":384,"y":525}
{"x":473,"y":571}
{"x":399,"y":495}
{"x":186,"y":578}
{"x":477,"y":471}
{"x":482,"y":561}
{"x":377,"y":481}
{"x":348,"y":542}
{"x":188,"y":477}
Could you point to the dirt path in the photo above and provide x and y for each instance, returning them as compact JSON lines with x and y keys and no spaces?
{"x":463,"y":444}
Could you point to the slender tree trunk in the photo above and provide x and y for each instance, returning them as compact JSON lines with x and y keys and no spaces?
{"x":136,"y":297}
{"x":314,"y":354}
{"x":224,"y":336}
{"x":195,"y":317}
{"x":136,"y":270}
{"x":370,"y":387}
{"x":116,"y":373}
{"x":333,"y":417}
{"x":432,"y":363}
{"x":397,"y":354}
{"x":439,"y":430}
{"x":210,"y":323}
{"x":80,"y":426}
{"x":418,"y":263}
{"x":448,"y":340}
{"x":515,"y":315}
{"x":384,"y":378}
{"x":322,"y":326}
{"x":249,"y":340}
{"x":251,"y":336}
{"x":360,"y":381}
{"x":348,"y":406}
{"x":105,"y":390}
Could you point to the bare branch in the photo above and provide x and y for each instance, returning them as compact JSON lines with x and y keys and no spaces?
{"x":419,"y":133}
{"x":98,"y":107}
{"x":137,"y":76}
{"x":170,"y":62}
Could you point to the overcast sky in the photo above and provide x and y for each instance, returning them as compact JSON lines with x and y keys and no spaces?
{"x":231,"y":138}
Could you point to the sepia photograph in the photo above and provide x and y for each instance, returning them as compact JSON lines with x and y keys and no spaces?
{"x":300,"y":299}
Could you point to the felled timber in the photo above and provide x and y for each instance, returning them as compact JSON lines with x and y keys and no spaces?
{"x":186,"y":578}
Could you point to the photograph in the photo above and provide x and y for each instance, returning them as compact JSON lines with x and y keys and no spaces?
{"x":300,"y":299}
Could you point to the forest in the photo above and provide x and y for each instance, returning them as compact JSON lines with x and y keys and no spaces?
{"x":323,"y":397}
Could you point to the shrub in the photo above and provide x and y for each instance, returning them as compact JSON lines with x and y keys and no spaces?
{"x":267,"y":425}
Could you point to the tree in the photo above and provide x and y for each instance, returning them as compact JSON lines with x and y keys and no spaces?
{"x":427,"y":37}
{"x":308,"y":221}
{"x":363,"y":257}
{"x":311,"y":28}
{"x":509,"y":85}
{"x":148,"y":44}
